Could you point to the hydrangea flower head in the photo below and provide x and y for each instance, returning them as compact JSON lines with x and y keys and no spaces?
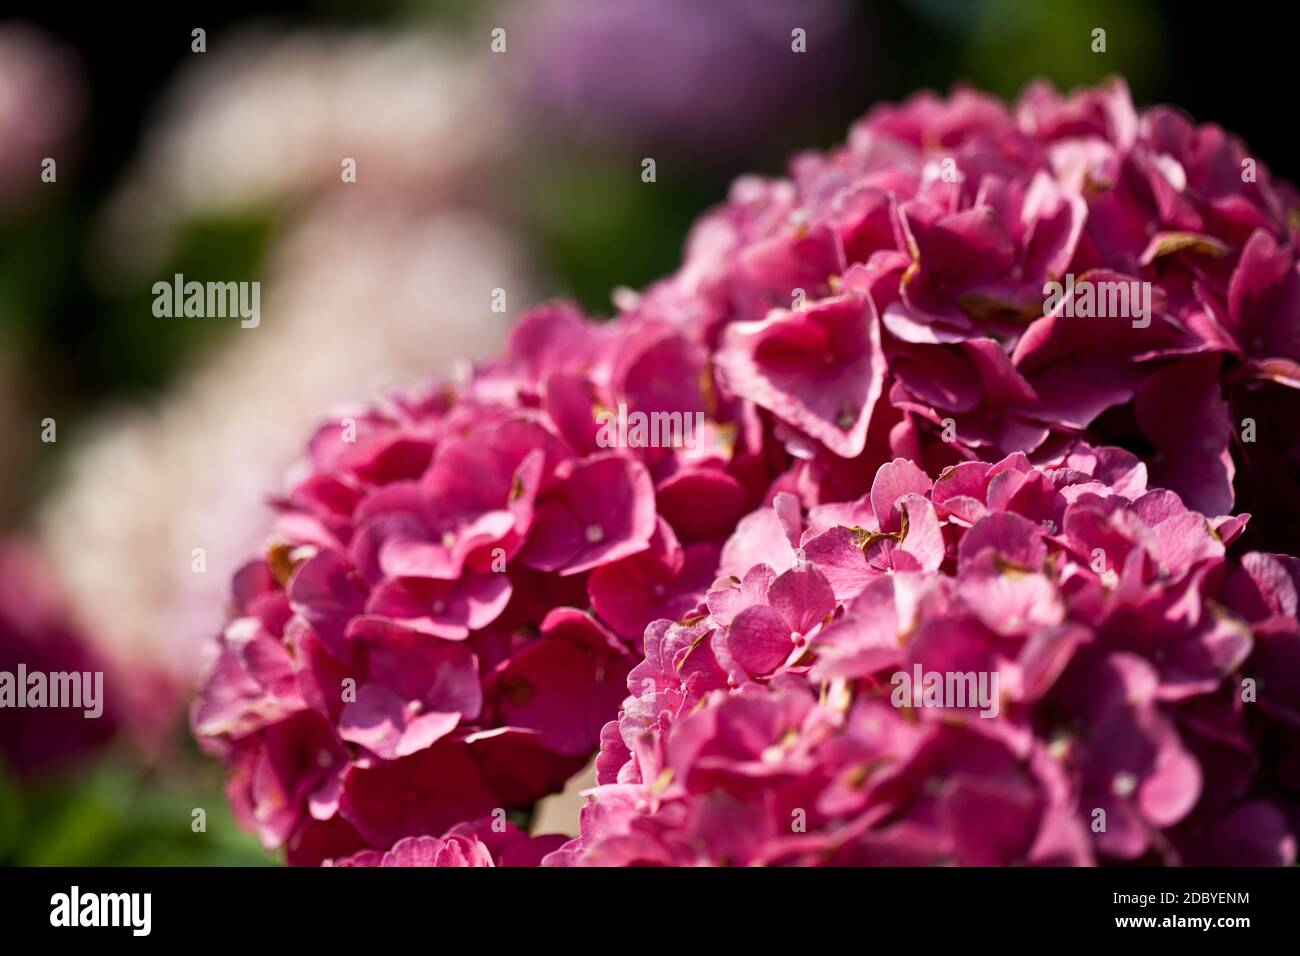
{"x":465,"y":578}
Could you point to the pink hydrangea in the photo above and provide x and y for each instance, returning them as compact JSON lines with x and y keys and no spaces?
{"x":459,"y":584}
{"x":446,"y":613}
{"x":1137,"y":696}
{"x":893,"y":297}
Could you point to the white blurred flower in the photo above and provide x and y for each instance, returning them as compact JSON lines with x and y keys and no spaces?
{"x":357,"y":298}
{"x":366,"y":285}
{"x":264,"y":120}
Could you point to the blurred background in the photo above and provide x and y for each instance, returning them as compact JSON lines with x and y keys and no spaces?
{"x":128,"y":441}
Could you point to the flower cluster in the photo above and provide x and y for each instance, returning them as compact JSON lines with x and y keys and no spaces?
{"x":463,"y":579}
{"x":1006,"y":665}
{"x":964,"y":280}
{"x":457,"y":585}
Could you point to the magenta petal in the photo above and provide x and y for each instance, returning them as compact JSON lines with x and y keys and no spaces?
{"x":563,"y":692}
{"x":759,"y":640}
{"x":381,"y":722}
{"x":436,"y":675}
{"x":1182,"y":411}
{"x":803,"y":598}
{"x":795,"y":259}
{"x":327,"y":593}
{"x":555,"y":540}
{"x":608,"y":512}
{"x":548,"y":336}
{"x":969,"y":479}
{"x":426,"y":792}
{"x":446,"y":609}
{"x":252,"y":684}
{"x":1013,"y":538}
{"x":1261,"y":298}
{"x":924,"y":539}
{"x":702,"y":504}
{"x":820,"y":369}
{"x":667,"y":581}
{"x":895,"y":479}
{"x":1009,"y":602}
{"x":839,"y":558}
{"x":759,"y":538}
{"x":725,"y":603}
{"x":993,"y":824}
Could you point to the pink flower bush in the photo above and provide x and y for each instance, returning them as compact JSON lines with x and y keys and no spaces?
{"x":457,"y":586}
{"x":891,"y":297}
{"x":1144,"y":706}
{"x":464,"y":579}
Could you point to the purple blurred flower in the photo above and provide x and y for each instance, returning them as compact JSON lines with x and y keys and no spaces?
{"x":681,"y":75}
{"x":42,"y":100}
